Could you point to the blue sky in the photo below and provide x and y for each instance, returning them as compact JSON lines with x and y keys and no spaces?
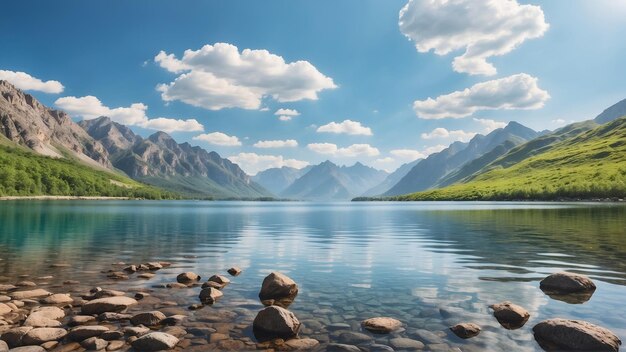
{"x":556,"y":61}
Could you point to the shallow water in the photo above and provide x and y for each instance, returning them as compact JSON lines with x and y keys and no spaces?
{"x":430,"y":265}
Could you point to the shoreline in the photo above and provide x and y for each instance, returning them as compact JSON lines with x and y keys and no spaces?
{"x":62,"y":198}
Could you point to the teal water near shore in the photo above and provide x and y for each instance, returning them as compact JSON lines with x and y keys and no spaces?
{"x":429,"y":265}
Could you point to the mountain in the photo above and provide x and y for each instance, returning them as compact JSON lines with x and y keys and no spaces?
{"x":328,"y":181}
{"x":27,"y":122}
{"x":276,"y":180}
{"x":584,"y":165}
{"x":391,"y":180}
{"x":160,"y":161}
{"x":611,"y":113}
{"x":428,"y":172}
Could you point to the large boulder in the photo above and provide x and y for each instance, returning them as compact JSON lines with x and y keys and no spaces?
{"x":509,"y":315}
{"x":275,"y":322}
{"x":155,"y":341}
{"x":108,"y":304}
{"x":38,"y":336}
{"x":381,"y":325}
{"x":45,"y":317}
{"x":84,"y":332}
{"x":564,"y":282}
{"x":574,"y":335}
{"x":13,"y":337}
{"x":277,"y":286}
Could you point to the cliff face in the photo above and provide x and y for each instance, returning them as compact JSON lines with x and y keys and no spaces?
{"x":27,"y":122}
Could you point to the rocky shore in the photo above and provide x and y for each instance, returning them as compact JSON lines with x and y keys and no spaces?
{"x":39,"y":314}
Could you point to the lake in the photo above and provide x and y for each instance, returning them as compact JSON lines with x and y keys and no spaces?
{"x":430,"y":265}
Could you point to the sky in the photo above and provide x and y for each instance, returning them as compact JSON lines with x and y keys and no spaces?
{"x":289,"y":83}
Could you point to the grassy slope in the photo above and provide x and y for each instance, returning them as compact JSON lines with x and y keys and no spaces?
{"x":24,"y":173}
{"x":589,"y":165}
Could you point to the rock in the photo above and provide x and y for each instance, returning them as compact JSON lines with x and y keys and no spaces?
{"x":130,"y":269}
{"x":7,"y":288}
{"x":564,"y":282}
{"x":115,"y":345}
{"x":509,"y":315}
{"x":154,"y":266}
{"x":574,"y":335}
{"x":216,"y":337}
{"x":36,"y":293}
{"x":28,"y":349}
{"x":277,"y":286}
{"x":381,"y":325}
{"x":49,"y":345}
{"x":196,"y":306}
{"x":174,"y":319}
{"x":376,"y":347}
{"x":97,"y":292}
{"x":155,"y":341}
{"x":141,"y":295}
{"x":209,"y":295}
{"x":465,"y":330}
{"x":60,"y":265}
{"x":176,"y":285}
{"x":220,"y":279}
{"x":340,"y":347}
{"x":108,"y":304}
{"x":301,"y":344}
{"x":71,"y":282}
{"x":4,"y":298}
{"x":3,"y":346}
{"x":187,"y":278}
{"x":403,"y":343}
{"x":5,"y":309}
{"x":45,"y":317}
{"x":175,"y":331}
{"x":112,"y":335}
{"x":146,"y":275}
{"x":276,"y":322}
{"x":354,"y":338}
{"x":234,"y":271}
{"x":84,"y":332}
{"x":136,"y":331}
{"x":94,"y":344}
{"x":38,"y":336}
{"x":111,"y":316}
{"x":80,"y":320}
{"x":117,"y":275}
{"x":13,"y":337}
{"x":148,"y":318}
{"x":57,"y":298}
{"x":26,"y":284}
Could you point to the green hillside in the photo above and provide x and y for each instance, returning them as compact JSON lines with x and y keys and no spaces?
{"x":24,"y":173}
{"x":590,"y":164}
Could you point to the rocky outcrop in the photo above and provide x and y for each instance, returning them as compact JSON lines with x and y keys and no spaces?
{"x":575,"y":335}
{"x":27,"y":122}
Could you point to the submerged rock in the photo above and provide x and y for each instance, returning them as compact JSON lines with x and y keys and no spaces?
{"x":234,"y":271}
{"x":574,"y":335}
{"x":275,"y":322}
{"x":277,"y":286}
{"x":465,"y":330}
{"x":148,"y":318}
{"x":381,"y":325}
{"x":108,"y":304}
{"x":403,"y":343}
{"x":155,"y":341}
{"x":509,"y":315}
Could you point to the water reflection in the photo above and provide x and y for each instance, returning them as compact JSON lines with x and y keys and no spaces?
{"x":431,"y":265}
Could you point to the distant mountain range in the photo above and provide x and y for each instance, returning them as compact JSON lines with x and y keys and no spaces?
{"x":276,"y":180}
{"x":582,"y":160}
{"x":109,"y":146}
{"x":324,"y":182}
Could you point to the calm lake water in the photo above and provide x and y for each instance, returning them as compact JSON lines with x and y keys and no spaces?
{"x":430,"y":265}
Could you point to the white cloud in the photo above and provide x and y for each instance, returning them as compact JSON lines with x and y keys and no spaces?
{"x":284,"y":118}
{"x":291,"y":143}
{"x":287,"y":112}
{"x":386,"y":160}
{"x":253,"y":163}
{"x":482,"y":28}
{"x":350,"y":151}
{"x":218,"y":76}
{"x":407,"y":154}
{"x":90,"y":107}
{"x":442,"y":133}
{"x":218,"y":138}
{"x":490,"y":125}
{"x":514,"y":92}
{"x":347,"y":127}
{"x":24,"y":81}
{"x":558,"y":122}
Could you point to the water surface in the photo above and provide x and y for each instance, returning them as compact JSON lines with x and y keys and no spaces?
{"x":429,"y":265}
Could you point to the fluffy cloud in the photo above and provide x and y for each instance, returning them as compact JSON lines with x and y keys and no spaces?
{"x":218,"y":138}
{"x":482,"y":28}
{"x":347,"y":127}
{"x":490,"y":125}
{"x":350,"y":151}
{"x":276,"y":144}
{"x":442,"y":133}
{"x":407,"y":154}
{"x":286,"y":114}
{"x":90,"y":107}
{"x":252,"y":163}
{"x":24,"y":81}
{"x":514,"y":92}
{"x":218,"y":76}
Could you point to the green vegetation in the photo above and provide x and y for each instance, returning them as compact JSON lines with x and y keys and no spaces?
{"x":24,"y":173}
{"x":588,"y":165}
